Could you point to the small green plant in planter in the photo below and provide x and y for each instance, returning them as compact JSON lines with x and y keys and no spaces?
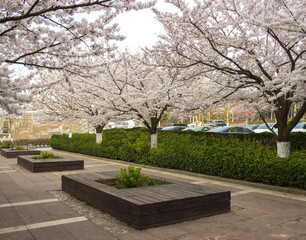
{"x":18,"y":148}
{"x":131,"y":177}
{"x":45,"y":155}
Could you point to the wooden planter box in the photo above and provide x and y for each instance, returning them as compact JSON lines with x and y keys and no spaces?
{"x":8,"y":153}
{"x":49,"y":165}
{"x":147,"y":207}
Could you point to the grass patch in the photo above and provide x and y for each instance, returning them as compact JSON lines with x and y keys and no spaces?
{"x":46,"y":155}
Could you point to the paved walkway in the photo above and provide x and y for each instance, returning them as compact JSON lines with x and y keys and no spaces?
{"x":28,"y":211}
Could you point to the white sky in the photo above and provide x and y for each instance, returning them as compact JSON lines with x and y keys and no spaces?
{"x":140,"y":27}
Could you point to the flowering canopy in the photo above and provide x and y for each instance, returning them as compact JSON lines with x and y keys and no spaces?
{"x":47,"y":34}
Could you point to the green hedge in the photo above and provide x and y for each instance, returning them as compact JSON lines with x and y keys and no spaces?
{"x":234,"y":157}
{"x":26,"y":143}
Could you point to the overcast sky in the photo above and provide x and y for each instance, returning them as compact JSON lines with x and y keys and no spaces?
{"x":140,"y":27}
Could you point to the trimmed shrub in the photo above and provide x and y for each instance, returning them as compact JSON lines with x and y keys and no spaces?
{"x":245,"y":157}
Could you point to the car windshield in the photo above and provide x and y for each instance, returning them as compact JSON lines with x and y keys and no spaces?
{"x":219,"y":129}
{"x":300,"y":125}
{"x":263,"y":126}
{"x":198,"y":128}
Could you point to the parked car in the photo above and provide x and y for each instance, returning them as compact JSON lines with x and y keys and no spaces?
{"x":179,"y":128}
{"x":231,"y":130}
{"x":219,"y":123}
{"x":252,"y":126}
{"x":263,"y":128}
{"x":198,"y":128}
{"x":202,"y":128}
{"x":188,"y":129}
{"x":176,"y":124}
{"x":300,"y":127}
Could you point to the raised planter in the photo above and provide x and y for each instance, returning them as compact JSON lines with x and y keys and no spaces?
{"x":9,"y":153}
{"x":147,"y":207}
{"x":49,"y":165}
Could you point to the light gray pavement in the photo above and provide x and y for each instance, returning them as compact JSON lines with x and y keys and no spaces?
{"x":29,"y":211}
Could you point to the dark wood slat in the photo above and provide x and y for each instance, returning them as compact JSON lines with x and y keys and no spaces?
{"x":48,"y":165}
{"x":8,"y":153}
{"x":147,"y":206}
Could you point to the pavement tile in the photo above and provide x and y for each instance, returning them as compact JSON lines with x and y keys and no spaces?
{"x":15,"y":195}
{"x":33,"y":214}
{"x":3,"y":198}
{"x":166,"y":232}
{"x":189,"y":237}
{"x":299,"y":237}
{"x":22,"y":235}
{"x":87,"y":230}
{"x":9,"y":218}
{"x":222,"y":188}
{"x":58,"y":210}
{"x":282,"y":200}
{"x":263,"y":236}
{"x":138,"y":235}
{"x":52,"y":233}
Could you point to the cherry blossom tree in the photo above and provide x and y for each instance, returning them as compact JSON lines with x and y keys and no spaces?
{"x":78,"y":101}
{"x":50,"y":35}
{"x":142,"y":92}
{"x":252,"y":45}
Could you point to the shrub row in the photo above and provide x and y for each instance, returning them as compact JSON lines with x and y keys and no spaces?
{"x":26,"y":143}
{"x":231,"y":156}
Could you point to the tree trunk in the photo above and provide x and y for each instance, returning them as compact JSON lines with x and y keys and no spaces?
{"x":70,"y":131}
{"x":99,"y":133}
{"x":283,"y":149}
{"x":154,"y":142}
{"x":153,"y":132}
{"x":99,"y":137}
{"x":284,"y":128}
{"x":283,"y":133}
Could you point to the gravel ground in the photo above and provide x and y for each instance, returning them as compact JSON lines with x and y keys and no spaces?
{"x":100,"y":218}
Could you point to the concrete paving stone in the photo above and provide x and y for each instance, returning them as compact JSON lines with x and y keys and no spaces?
{"x":251,"y":213}
{"x":251,"y":225}
{"x":87,"y":230}
{"x":293,"y":226}
{"x":44,"y":212}
{"x":58,"y":210}
{"x":216,"y":235}
{"x":253,"y":202}
{"x":138,"y":235}
{"x":43,"y":194}
{"x":52,"y":233}
{"x":50,"y":186}
{"x":299,"y":237}
{"x":167,"y":232}
{"x":285,"y":199}
{"x":263,"y":236}
{"x":195,"y":226}
{"x":22,"y":235}
{"x":3,"y":198}
{"x":33,"y":214}
{"x":189,"y":237}
{"x":9,"y":218}
{"x":275,"y":220}
{"x":228,"y":218}
{"x":218,"y":187}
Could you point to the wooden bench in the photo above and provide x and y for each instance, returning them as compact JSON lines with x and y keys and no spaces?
{"x":147,"y":207}
{"x":49,"y":165}
{"x":9,"y":153}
